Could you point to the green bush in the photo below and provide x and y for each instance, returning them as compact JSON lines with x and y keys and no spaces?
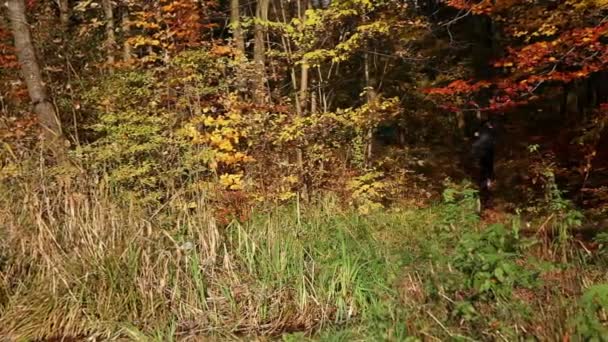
{"x":592,"y":320}
{"x":459,"y":204}
{"x":488,"y":261}
{"x":146,"y":123}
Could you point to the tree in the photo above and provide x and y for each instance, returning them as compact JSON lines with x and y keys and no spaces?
{"x":125,"y":24}
{"x":259,"y":50}
{"x":237,"y":30}
{"x":238,"y":41}
{"x":26,"y":56}
{"x":64,"y":12}
{"x":303,"y":93}
{"x":108,"y":11}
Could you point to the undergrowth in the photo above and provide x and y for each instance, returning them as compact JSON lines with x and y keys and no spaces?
{"x":75,"y":262}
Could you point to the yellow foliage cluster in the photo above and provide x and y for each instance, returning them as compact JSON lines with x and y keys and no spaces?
{"x":367,"y":191}
{"x":223,"y":137}
{"x":232,"y":181}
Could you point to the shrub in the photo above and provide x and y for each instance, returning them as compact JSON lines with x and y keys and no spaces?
{"x":488,"y":261}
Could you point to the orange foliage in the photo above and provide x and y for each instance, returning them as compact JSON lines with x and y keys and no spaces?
{"x":173,"y":25}
{"x":8,"y":59}
{"x":183,"y":20}
{"x":484,"y":6}
{"x":572,"y":54}
{"x":458,"y":87}
{"x":19,"y":127}
{"x":231,"y":205}
{"x":222,"y":50}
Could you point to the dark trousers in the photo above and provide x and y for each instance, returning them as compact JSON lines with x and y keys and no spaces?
{"x":486,"y":176}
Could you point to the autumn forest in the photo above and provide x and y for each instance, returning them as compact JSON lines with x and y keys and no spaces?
{"x":303,"y":170}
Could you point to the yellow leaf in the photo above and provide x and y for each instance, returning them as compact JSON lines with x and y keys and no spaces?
{"x":226,"y":145}
{"x":208,"y":121}
{"x":287,"y":195}
{"x":216,"y":139}
{"x":231,"y":181}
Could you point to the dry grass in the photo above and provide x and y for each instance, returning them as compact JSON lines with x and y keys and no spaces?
{"x":79,"y":263}
{"x":76,"y":263}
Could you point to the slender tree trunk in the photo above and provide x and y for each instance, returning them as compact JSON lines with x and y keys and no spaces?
{"x":370,"y":84}
{"x":259,"y":51}
{"x":237,"y":30}
{"x":303,"y":102}
{"x":321,"y":96}
{"x":239,"y":43}
{"x":313,"y":102}
{"x":108,"y":11}
{"x":127,"y":50}
{"x":292,"y":71}
{"x":304,"y":67}
{"x":31,"y":73}
{"x":64,"y":12}
{"x":304,"y":86}
{"x":304,"y":194}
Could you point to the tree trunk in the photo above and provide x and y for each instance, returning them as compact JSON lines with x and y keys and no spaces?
{"x":292,"y":71}
{"x":237,"y":30}
{"x":125,"y":24}
{"x":304,"y":67}
{"x":370,"y":84}
{"x":239,"y":44}
{"x":303,"y":102}
{"x":304,"y":86}
{"x":108,"y":11}
{"x":31,"y":73}
{"x":259,"y":51}
{"x":313,"y":102}
{"x":64,"y":13}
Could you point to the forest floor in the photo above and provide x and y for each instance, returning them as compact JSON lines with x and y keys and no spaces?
{"x":319,"y":273}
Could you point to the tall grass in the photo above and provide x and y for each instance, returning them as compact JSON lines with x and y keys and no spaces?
{"x":77,"y":260}
{"x":78,"y":263}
